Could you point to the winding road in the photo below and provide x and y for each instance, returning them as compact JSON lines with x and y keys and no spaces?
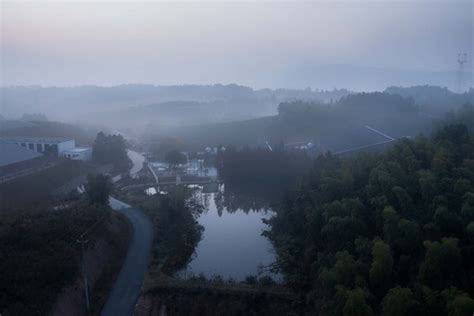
{"x":137,"y":160}
{"x":129,"y":282}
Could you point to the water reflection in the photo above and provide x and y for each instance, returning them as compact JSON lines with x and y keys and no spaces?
{"x":232,"y":244}
{"x":247,"y":197}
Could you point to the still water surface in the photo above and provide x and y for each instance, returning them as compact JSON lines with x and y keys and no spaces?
{"x":232,"y":245}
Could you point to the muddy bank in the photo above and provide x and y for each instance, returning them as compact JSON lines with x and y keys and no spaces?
{"x":193,"y":300}
{"x":103,"y":262}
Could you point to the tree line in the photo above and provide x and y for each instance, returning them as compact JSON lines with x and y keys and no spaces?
{"x":261,"y":165}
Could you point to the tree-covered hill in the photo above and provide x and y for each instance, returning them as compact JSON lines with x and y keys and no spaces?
{"x":388,"y":233}
{"x":332,"y":126}
{"x":434,"y":98}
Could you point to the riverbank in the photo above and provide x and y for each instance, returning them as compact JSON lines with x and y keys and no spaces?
{"x":176,"y":232}
{"x":174,"y":297}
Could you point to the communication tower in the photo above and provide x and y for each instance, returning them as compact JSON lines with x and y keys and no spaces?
{"x":462,"y":59}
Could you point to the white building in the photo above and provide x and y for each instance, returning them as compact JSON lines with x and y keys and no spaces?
{"x":54,"y":146}
{"x":78,"y":153}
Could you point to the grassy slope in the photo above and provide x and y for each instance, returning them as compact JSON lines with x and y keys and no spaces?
{"x":35,"y":189}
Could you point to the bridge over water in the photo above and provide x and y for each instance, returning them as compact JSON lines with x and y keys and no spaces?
{"x":154,"y":184}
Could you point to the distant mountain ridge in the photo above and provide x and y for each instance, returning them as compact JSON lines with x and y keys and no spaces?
{"x":366,"y":78}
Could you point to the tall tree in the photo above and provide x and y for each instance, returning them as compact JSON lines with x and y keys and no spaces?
{"x":442,"y":264}
{"x":382,"y":265}
{"x":111,"y":149}
{"x":399,"y":302}
{"x":98,"y":189}
{"x":356,"y":304}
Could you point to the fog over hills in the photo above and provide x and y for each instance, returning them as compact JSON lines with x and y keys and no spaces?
{"x":222,"y":102}
{"x":236,"y":157}
{"x":136,"y":107}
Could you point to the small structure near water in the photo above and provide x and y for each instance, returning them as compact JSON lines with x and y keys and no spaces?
{"x":78,"y":153}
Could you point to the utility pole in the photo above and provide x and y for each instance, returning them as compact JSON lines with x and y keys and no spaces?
{"x":83,"y":241}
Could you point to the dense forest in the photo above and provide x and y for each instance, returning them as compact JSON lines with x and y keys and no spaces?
{"x":387,"y":233}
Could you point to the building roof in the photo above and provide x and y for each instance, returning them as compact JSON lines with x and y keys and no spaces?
{"x":22,"y":139}
{"x":77,"y":150}
{"x":11,"y":153}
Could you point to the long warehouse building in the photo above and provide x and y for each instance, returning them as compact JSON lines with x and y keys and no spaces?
{"x":12,"y":154}
{"x":49,"y":146}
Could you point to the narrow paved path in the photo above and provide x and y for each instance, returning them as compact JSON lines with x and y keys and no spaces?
{"x":128,"y":285}
{"x":129,"y":282}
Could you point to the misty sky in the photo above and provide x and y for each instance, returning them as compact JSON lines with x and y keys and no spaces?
{"x":108,"y":43}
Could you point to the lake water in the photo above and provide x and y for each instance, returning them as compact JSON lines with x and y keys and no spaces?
{"x":232,"y":245}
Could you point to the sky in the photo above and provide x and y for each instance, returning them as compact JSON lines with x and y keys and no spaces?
{"x":255,"y":43}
